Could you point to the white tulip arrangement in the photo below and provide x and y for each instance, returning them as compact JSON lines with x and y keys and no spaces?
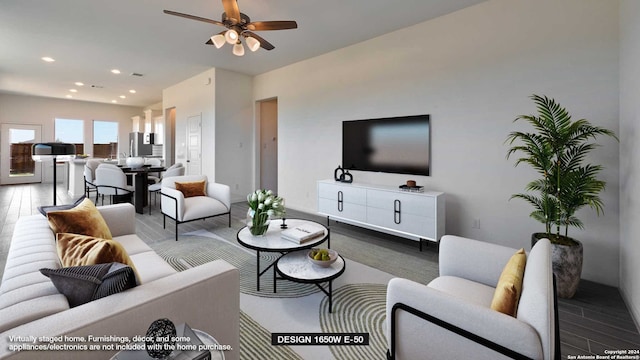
{"x":263,"y":205}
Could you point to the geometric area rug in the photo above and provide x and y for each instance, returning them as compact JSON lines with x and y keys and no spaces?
{"x":357,"y":307}
{"x":194,"y":250}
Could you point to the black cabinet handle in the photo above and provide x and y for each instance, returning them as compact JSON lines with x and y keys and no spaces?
{"x":397,"y":216}
{"x":340,"y":201}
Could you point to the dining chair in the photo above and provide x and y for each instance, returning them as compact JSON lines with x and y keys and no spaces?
{"x":90,"y":177}
{"x":153,"y":162}
{"x":176,"y":169}
{"x":113,"y":182}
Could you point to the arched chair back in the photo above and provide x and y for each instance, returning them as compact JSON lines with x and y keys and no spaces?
{"x":113,"y":182}
{"x":155,"y":188}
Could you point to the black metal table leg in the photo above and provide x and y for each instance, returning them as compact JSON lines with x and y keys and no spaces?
{"x":258,"y":270}
{"x":330,"y":296}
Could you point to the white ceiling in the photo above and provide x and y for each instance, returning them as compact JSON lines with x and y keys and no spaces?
{"x":88,"y":38}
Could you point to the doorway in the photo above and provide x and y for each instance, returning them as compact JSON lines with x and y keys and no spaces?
{"x":16,"y":164}
{"x":268,"y":144}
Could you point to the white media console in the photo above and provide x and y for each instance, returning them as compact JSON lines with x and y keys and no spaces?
{"x":413,"y":215}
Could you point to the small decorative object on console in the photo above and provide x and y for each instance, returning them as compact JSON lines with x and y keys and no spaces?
{"x":342,"y":175}
{"x":263,"y":205}
{"x":411,"y":186}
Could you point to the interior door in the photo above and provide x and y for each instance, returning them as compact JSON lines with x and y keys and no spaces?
{"x":194,"y":145}
{"x":16,"y":164}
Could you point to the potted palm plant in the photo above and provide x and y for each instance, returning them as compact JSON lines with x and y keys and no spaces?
{"x":557,"y":149}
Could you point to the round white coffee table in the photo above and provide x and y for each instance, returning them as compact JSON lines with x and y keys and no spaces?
{"x":271,"y":241}
{"x":295,"y":266}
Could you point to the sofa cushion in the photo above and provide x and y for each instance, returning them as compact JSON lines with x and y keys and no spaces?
{"x":132,"y":244}
{"x":509,"y":288}
{"x":81,"y":284}
{"x":152,"y":266}
{"x":84,"y":219}
{"x":192,"y":188}
{"x":30,"y":310}
{"x":77,"y":250}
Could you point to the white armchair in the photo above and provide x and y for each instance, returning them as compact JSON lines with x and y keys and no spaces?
{"x":173,"y":203}
{"x":451,"y":317}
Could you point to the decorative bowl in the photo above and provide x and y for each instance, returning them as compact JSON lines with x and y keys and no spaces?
{"x":135,"y":162}
{"x":333,"y":256}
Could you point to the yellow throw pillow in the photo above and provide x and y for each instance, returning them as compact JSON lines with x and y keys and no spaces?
{"x":191,"y":188}
{"x":509,"y":288}
{"x":79,"y":250}
{"x":83,"y":219}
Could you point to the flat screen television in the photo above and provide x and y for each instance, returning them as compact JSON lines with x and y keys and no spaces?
{"x":398,"y":145}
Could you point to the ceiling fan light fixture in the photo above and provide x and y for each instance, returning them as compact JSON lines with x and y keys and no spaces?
{"x":231,"y":36}
{"x":252,"y":43}
{"x":218,"y":40}
{"x":238,"y":49}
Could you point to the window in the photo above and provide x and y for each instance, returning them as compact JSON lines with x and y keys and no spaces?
{"x":21,"y":141}
{"x":70,"y":131}
{"x":105,"y":139}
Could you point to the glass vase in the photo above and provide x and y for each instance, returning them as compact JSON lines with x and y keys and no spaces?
{"x":258,"y":222}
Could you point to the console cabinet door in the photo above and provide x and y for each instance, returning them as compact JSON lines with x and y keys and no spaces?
{"x":410,"y":213}
{"x":342,"y":201}
{"x":408,"y":223}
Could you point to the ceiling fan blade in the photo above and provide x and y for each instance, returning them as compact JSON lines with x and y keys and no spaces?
{"x":231,"y":9}
{"x":263,"y":43}
{"x":193,"y":17}
{"x":272,"y":25}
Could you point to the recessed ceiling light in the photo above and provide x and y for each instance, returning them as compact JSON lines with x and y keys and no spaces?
{"x":114,"y":101}
{"x":79,"y":83}
{"x":132,"y":91}
{"x":48,"y":59}
{"x":122,"y":97}
{"x":73,"y":90}
{"x":69,"y":96}
{"x":115,"y":71}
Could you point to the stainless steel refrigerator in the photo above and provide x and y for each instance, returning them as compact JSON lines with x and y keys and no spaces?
{"x":141,"y":144}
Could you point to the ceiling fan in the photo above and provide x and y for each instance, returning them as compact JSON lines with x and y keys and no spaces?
{"x":239,"y":26}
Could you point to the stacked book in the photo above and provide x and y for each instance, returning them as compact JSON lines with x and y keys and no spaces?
{"x":302,"y":233}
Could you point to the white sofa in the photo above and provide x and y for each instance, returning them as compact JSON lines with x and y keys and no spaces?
{"x":206,"y":297}
{"x":451,"y":317}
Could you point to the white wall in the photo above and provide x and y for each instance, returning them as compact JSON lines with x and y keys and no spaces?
{"x":630,"y":154}
{"x":192,"y":97}
{"x":472,"y":71}
{"x":234,"y":132}
{"x":19,"y":109}
{"x":224,"y":100}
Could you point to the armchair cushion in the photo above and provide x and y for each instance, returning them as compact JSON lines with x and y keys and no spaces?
{"x":191,"y":188}
{"x":83,"y":219}
{"x":509,"y":286}
{"x":202,"y":206}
